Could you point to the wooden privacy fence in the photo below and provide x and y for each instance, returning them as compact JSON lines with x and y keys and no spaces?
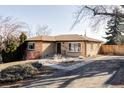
{"x":112,"y":49}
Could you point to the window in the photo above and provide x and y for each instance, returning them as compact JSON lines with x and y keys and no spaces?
{"x":74,"y":47}
{"x":31,"y":45}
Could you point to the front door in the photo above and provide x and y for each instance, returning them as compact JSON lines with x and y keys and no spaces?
{"x":58,"y":48}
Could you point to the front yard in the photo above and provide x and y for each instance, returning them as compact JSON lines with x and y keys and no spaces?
{"x":102,"y":72}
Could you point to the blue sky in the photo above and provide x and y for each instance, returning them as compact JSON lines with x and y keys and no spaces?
{"x":58,"y":18}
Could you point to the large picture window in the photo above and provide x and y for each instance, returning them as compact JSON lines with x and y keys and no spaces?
{"x":74,"y":47}
{"x":31,"y":45}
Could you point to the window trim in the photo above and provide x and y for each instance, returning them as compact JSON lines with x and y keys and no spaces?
{"x":29,"y":43}
{"x":78,"y":43}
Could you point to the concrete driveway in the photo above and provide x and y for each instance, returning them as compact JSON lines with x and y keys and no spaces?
{"x":102,"y":72}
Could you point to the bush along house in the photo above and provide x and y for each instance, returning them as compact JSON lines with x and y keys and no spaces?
{"x":70,"y":45}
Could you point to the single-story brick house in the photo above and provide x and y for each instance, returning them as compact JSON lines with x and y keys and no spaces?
{"x":67,"y":45}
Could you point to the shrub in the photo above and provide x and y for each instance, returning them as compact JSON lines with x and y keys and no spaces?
{"x":42,"y":69}
{"x":37,"y":65}
{"x":14,"y":49}
{"x":16,"y":55}
{"x":18,"y":72}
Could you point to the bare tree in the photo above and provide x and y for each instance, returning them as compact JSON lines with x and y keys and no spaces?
{"x":10,"y":28}
{"x":29,"y":31}
{"x":42,"y":30}
{"x":97,"y":15}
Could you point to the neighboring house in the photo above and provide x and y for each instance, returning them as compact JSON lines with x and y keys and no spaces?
{"x":67,"y":45}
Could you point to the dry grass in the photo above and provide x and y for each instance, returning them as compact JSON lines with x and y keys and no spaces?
{"x":5,"y":65}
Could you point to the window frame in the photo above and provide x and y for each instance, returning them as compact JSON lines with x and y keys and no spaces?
{"x":72,"y":45}
{"x":29,"y":43}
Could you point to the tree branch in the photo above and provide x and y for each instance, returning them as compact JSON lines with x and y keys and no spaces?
{"x":104,"y":13}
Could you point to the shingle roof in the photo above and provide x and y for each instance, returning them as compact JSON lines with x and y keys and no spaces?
{"x":68,"y":37}
{"x":92,"y":39}
{"x":42,"y":38}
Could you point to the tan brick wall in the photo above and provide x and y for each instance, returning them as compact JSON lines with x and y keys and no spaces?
{"x":42,"y":49}
{"x":83,"y":51}
{"x":36,"y":53}
{"x":48,"y":49}
{"x":92,"y":48}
